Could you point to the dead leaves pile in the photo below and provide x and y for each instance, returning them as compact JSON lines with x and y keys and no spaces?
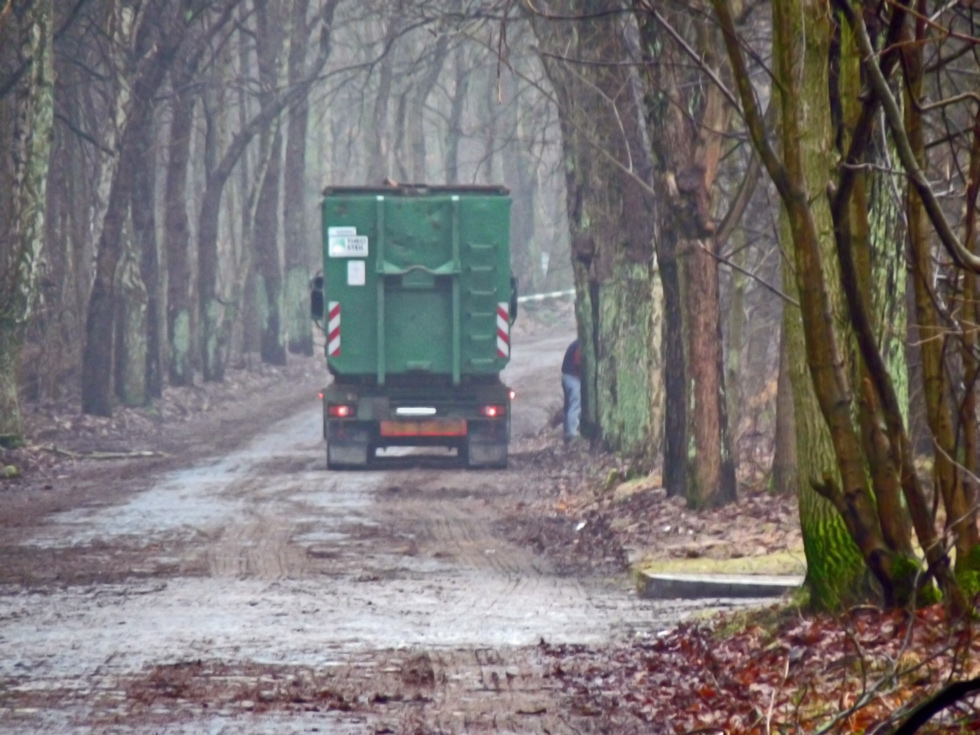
{"x":778,"y":672}
{"x":635,"y":515}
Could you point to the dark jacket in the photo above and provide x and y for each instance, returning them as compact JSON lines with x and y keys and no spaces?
{"x":572,"y":364}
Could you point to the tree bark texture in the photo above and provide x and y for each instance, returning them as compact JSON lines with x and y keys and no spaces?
{"x":610,"y":211}
{"x":520,"y":177}
{"x":947,"y":476}
{"x":26,"y":124}
{"x":157,"y":39}
{"x":379,"y":149}
{"x":266,"y":223}
{"x":146,"y":294}
{"x":177,"y":234}
{"x":784,"y":476}
{"x":296,"y":200}
{"x":687,"y":118}
{"x":457,"y":104}
{"x":131,"y":318}
{"x":835,"y":573}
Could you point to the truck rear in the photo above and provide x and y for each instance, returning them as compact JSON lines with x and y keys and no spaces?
{"x":416,"y":300}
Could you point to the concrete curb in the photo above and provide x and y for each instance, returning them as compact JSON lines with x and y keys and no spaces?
{"x":655,"y":586}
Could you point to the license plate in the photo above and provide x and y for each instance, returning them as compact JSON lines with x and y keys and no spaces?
{"x":441,"y":427}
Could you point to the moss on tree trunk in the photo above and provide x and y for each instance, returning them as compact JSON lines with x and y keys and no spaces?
{"x":131,"y":331}
{"x":610,"y":213}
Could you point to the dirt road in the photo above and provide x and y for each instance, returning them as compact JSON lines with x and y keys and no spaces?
{"x":240,"y":588}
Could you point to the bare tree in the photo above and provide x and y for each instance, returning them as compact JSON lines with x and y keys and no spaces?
{"x":870,"y":465}
{"x":26,"y":120}
{"x":610,"y":201}
{"x":689,"y":119}
{"x":211,"y":311}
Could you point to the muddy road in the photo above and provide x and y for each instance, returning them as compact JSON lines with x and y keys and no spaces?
{"x":238,"y":587}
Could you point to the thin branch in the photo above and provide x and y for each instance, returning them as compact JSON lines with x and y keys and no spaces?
{"x":945,"y":697}
{"x":83,"y":135}
{"x":960,"y":254}
{"x":758,"y":279}
{"x":686,"y":48}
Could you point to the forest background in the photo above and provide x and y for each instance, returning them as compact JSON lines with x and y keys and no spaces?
{"x":706,"y":175}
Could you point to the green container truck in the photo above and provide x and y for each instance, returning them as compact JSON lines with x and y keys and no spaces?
{"x":416,"y":299}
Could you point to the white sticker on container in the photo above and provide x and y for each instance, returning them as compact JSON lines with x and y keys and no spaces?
{"x":341,"y":231}
{"x":347,"y":246}
{"x":356,"y":273}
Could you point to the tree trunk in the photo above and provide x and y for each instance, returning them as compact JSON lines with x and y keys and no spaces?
{"x":158,"y":37}
{"x":610,"y":212}
{"x":948,"y":480}
{"x":266,"y":242}
{"x":177,"y":234}
{"x":736,"y":337}
{"x":457,"y":104}
{"x":379,"y":147}
{"x":131,"y":333}
{"x":829,"y":249}
{"x":296,"y":201}
{"x":213,"y":336}
{"x":490,"y":118}
{"x":874,"y":225}
{"x":835,"y":571}
{"x":784,"y":477}
{"x":687,"y":117}
{"x":711,"y":466}
{"x":144,"y":223}
{"x":520,"y":177}
{"x":265,"y":230}
{"x":26,"y":123}
{"x":675,"y":383}
{"x":416,"y":114}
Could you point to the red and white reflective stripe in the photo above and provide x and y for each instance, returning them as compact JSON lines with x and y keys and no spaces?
{"x":503,"y":329}
{"x":333,"y":329}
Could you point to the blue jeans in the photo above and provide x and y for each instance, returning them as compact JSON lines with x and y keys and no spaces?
{"x":572,"y":387}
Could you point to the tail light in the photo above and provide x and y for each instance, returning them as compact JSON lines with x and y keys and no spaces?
{"x":492,"y":412}
{"x":340,"y":411}
{"x":512,"y":394}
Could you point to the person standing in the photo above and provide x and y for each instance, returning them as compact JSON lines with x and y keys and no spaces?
{"x":571,"y":385}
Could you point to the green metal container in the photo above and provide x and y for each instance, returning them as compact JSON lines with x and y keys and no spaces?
{"x":416,"y":302}
{"x":417,"y":281}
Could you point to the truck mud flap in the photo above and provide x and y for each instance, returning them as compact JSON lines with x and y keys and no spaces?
{"x":481,"y":454}
{"x":486,"y":444}
{"x":348,"y":447}
{"x":347,"y":456}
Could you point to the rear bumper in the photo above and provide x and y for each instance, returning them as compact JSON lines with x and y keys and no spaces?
{"x":417,"y":417}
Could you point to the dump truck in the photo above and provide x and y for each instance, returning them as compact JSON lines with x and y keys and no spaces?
{"x":416,"y":300}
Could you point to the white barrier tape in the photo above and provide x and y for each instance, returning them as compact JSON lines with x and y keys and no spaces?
{"x":544,"y":296}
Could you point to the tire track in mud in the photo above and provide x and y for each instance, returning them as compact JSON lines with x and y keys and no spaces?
{"x":453,"y":522}
{"x":258,"y":549}
{"x":450,"y":517}
{"x":391,"y":597}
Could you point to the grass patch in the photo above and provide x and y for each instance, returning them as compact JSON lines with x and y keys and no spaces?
{"x":777,"y":563}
